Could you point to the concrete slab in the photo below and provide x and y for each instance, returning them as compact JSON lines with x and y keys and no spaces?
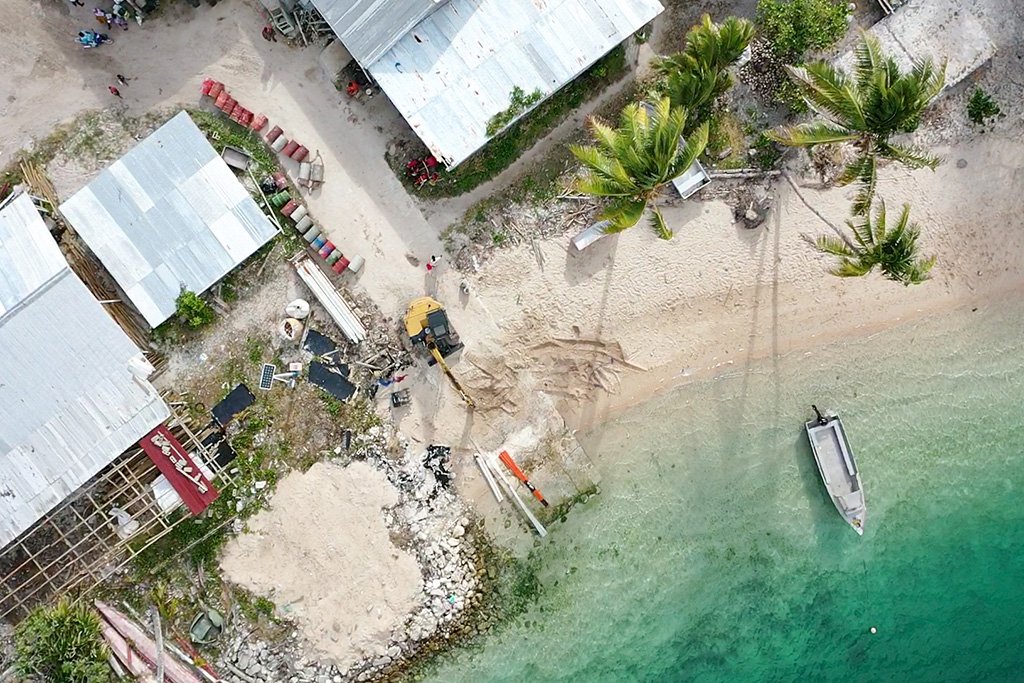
{"x":939,"y":29}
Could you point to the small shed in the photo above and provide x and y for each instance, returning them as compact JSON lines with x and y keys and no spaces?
{"x":73,"y":387}
{"x":168,"y":214}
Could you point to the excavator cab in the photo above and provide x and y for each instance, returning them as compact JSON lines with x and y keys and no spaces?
{"x":426,"y":322}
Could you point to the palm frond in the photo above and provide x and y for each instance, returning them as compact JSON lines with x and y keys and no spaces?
{"x":909,"y":155}
{"x":658,"y":224}
{"x":830,"y":92}
{"x":833,"y":246}
{"x":868,"y":60}
{"x":864,"y":170}
{"x":812,"y":133}
{"x":623,"y":213}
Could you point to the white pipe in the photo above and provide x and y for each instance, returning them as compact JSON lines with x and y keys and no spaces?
{"x":489,"y":478}
{"x":336,"y":307}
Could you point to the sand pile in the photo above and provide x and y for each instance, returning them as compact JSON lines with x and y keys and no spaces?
{"x":323,"y":554}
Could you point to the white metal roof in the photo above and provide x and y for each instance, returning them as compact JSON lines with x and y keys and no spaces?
{"x":169,"y":213}
{"x":456,"y":69}
{"x":368,"y":28}
{"x":28,"y":255}
{"x":69,"y":404}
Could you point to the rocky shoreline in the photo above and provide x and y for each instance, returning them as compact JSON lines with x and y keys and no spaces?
{"x":460,"y":597}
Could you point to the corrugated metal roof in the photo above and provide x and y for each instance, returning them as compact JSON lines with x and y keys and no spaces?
{"x":28,"y":255}
{"x":69,"y":405}
{"x":368,"y":28}
{"x":456,"y":69}
{"x":168,"y":213}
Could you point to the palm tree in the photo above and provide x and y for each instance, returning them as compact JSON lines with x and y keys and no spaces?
{"x":879,"y":101}
{"x":631,"y":164}
{"x":697,"y":75}
{"x":894,"y":250}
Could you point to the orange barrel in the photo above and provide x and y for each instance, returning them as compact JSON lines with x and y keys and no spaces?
{"x":302,"y":224}
{"x":258,"y":122}
{"x":300,"y":154}
{"x":290,"y":207}
{"x":222,"y":97}
{"x":207,"y":84}
{"x":274,"y":134}
{"x":326,"y":250}
{"x":290,"y":148}
{"x":279,"y":178}
{"x":311,"y":234}
{"x":216,"y":89}
{"x":299,"y":213}
{"x":278,"y":144}
{"x":340,"y":266}
{"x":357,"y":263}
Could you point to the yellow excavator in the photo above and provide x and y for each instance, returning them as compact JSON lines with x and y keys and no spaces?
{"x":426,"y":323}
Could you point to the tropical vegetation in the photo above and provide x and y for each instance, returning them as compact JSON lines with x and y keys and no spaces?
{"x":981,"y":107}
{"x":61,"y":643}
{"x":795,"y":27}
{"x":192,"y":310}
{"x":866,"y":109}
{"x":696,"y":76}
{"x":630,"y":165}
{"x":893,"y":249}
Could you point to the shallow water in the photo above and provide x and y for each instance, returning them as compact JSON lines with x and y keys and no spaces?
{"x":713,"y":554}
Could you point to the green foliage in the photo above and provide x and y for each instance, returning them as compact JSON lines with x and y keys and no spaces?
{"x":893,"y":250}
{"x":511,"y":143}
{"x":696,"y":76}
{"x":794,"y":27}
{"x":519,"y":102}
{"x":223,"y":131}
{"x":726,"y":144}
{"x":766,"y":152}
{"x":192,"y":310}
{"x":981,"y":107}
{"x":630,"y":165}
{"x":865,"y":109}
{"x":61,"y":643}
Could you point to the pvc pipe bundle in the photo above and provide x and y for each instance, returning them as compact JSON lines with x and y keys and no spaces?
{"x":331,"y":300}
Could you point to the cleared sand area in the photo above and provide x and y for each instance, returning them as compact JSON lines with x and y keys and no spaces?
{"x":324,"y":556}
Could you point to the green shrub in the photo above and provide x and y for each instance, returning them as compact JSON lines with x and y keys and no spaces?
{"x":519,"y":102}
{"x":62,"y":644}
{"x":794,"y":27}
{"x":981,"y":107}
{"x":192,"y":310}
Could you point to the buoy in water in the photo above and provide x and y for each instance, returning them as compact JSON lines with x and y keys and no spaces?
{"x":874,"y":630}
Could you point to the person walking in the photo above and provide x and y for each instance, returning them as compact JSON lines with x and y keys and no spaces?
{"x":101,"y":16}
{"x":121,"y":79}
{"x":269,"y":33}
{"x":115,"y":92}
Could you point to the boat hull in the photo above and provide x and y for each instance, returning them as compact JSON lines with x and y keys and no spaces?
{"x":838,"y":469}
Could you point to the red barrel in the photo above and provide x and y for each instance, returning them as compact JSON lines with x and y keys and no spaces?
{"x":207,"y":84}
{"x":280,"y":180}
{"x":340,"y":266}
{"x":229,"y":105}
{"x":216,"y":88}
{"x":301,"y":153}
{"x":222,"y":97}
{"x":258,"y":122}
{"x":274,"y":134}
{"x":290,"y":148}
{"x":290,"y":207}
{"x":326,"y":250}
{"x":246,"y":118}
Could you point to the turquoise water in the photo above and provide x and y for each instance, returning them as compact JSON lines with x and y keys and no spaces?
{"x":712,"y":553}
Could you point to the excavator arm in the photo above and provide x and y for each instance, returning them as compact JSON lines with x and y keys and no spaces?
{"x":439,"y":359}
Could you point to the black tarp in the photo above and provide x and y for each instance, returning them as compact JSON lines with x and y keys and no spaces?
{"x":237,"y":400}
{"x":332,"y":380}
